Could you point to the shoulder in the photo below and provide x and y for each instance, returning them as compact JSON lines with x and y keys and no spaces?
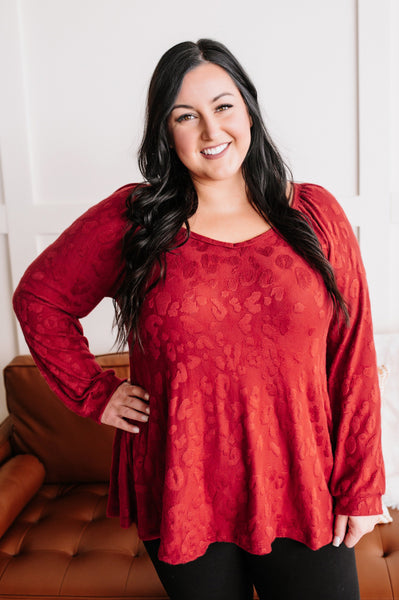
{"x":96,"y":234}
{"x":313,"y":198}
{"x":323,"y":210}
{"x":108,"y":215}
{"x":113,"y":206}
{"x":89,"y":250}
{"x":330,"y":224}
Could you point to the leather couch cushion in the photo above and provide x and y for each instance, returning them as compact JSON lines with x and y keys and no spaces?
{"x":62,"y":545}
{"x":377,"y":557}
{"x":71,"y":448}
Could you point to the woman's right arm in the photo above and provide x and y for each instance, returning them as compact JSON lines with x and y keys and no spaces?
{"x":61,"y":286}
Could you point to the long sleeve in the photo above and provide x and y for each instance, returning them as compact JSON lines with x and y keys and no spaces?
{"x":63,"y":285}
{"x":357,"y":481}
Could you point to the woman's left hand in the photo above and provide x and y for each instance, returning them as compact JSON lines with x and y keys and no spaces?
{"x":350,"y":529}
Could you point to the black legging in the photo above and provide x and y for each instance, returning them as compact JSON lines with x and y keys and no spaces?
{"x":291,"y":571}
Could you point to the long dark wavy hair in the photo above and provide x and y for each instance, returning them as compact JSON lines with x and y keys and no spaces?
{"x":157,"y":209}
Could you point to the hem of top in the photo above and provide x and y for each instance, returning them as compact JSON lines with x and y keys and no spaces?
{"x":266,"y":550}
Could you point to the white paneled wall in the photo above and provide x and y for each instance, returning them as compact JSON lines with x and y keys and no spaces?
{"x":74,"y":75}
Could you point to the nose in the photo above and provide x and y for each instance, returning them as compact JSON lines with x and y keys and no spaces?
{"x":210,"y":127}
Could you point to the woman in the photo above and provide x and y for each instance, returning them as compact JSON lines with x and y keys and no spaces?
{"x":248,"y":438}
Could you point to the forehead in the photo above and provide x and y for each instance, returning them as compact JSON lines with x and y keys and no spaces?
{"x":205,"y":82}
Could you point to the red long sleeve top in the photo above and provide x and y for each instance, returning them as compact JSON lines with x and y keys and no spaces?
{"x":265,"y":414}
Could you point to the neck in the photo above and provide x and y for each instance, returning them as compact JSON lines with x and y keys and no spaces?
{"x":221,"y":197}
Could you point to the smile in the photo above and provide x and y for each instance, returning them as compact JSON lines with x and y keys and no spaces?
{"x":215,"y":150}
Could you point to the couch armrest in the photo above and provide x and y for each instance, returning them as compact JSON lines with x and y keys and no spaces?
{"x":5,"y":434}
{"x":20,"y":479}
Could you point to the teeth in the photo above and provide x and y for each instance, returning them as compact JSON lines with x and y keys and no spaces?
{"x":216,"y":150}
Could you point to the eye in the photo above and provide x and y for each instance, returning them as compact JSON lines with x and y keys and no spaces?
{"x":224,"y":107}
{"x":185,"y":117}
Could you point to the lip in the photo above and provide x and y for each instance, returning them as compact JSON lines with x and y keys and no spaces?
{"x":219,"y":154}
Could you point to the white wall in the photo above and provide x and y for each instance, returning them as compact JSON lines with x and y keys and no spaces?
{"x":74,"y":76}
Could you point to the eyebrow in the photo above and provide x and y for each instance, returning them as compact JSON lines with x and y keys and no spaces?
{"x":214,"y":100}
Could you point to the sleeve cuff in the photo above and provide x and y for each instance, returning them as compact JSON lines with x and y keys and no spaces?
{"x":100,"y":395}
{"x":370,"y":505}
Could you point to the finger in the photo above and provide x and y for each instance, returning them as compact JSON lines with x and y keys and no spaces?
{"x":136,"y":404}
{"x":126,"y":389}
{"x":137,"y":391}
{"x":114,"y":420}
{"x":340,"y":526}
{"x":351,"y":538}
{"x":124,"y":406}
{"x":126,"y":396}
{"x":125,"y":425}
{"x":116,"y":412}
{"x":358,"y":526}
{"x":354,"y":532}
{"x":127,"y":412}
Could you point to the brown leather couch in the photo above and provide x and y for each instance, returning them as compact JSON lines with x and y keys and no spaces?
{"x":55,"y":541}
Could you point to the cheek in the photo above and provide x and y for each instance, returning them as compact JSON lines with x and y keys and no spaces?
{"x":245,"y":128}
{"x":240,"y":127}
{"x":248,"y":135}
{"x":182,"y":142}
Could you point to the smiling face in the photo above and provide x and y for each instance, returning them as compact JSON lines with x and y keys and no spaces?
{"x":209,"y":125}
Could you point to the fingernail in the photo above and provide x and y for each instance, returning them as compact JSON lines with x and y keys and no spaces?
{"x":336,"y":541}
{"x":147,"y":410}
{"x":146,"y":396}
